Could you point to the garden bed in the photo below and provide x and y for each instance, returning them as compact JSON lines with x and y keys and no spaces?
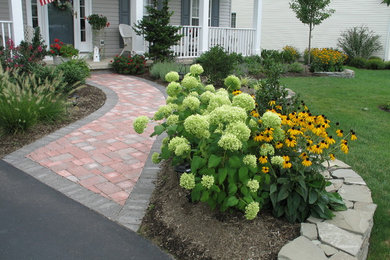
{"x":89,"y":99}
{"x":194,"y":231}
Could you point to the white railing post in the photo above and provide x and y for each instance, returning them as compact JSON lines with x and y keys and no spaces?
{"x":137,"y":13}
{"x":204,"y":25}
{"x":17,"y":20}
{"x":257,"y":17}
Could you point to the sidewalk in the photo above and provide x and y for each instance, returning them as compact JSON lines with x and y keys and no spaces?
{"x":99,"y":161}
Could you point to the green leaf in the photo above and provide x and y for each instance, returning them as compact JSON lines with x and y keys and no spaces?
{"x":283,"y":193}
{"x":195,"y":193}
{"x":235,"y":162}
{"x":232,"y":188}
{"x":232,"y":201}
{"x":212,"y":203}
{"x":243,"y":174}
{"x":214,"y":161}
{"x":159,"y":129}
{"x":313,"y":196}
{"x":222,"y":173}
{"x":197,"y":163}
{"x":248,"y":199}
{"x":272,"y":188}
{"x":267,"y":179}
{"x":165,"y":153}
{"x":244,"y":190}
{"x":205,"y":196}
{"x":171,"y":130}
{"x":221,"y":196}
{"x":293,"y":202}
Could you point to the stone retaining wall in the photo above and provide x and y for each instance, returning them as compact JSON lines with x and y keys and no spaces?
{"x":346,"y":236}
{"x":342,"y":74}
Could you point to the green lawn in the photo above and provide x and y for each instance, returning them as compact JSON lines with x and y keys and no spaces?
{"x":343,"y":100}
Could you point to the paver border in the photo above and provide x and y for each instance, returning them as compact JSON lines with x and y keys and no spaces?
{"x":130,"y":215}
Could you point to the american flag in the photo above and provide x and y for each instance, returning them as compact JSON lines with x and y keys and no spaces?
{"x":45,"y":2}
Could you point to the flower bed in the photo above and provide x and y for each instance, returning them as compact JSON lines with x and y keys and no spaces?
{"x":242,"y":159}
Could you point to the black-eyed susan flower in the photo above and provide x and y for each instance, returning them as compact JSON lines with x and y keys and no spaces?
{"x":344,"y":146}
{"x":263,"y":159}
{"x":324,"y":144}
{"x":353,"y":136}
{"x":265,"y":169}
{"x":278,"y":145}
{"x":330,"y":140}
{"x":316,"y":149}
{"x":278,"y":107}
{"x":236,"y":92}
{"x":258,"y":138}
{"x":339,"y":132}
{"x":332,"y":157}
{"x":268,"y":138}
{"x":303,"y":155}
{"x":255,"y":114}
{"x":272,"y":102}
{"x":306,"y":162}
{"x":290,"y":142}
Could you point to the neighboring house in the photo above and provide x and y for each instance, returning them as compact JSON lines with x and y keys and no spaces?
{"x":205,"y":24}
{"x":280,"y":27}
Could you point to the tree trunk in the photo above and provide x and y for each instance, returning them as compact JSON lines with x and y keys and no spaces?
{"x":309,"y":58}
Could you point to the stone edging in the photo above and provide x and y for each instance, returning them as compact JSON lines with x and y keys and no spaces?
{"x":346,"y":236}
{"x":346,"y":73}
{"x":132,"y":213}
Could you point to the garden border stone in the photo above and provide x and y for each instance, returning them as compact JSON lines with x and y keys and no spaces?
{"x":346,"y":236}
{"x":346,"y":73}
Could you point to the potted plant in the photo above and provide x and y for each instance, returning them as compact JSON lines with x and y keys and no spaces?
{"x":98,"y":22}
{"x":62,"y":52}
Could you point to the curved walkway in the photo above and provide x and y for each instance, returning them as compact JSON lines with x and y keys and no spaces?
{"x":98,"y":160}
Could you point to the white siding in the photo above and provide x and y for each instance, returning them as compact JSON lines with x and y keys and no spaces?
{"x":224,"y":13}
{"x":175,"y":6}
{"x":111,"y":10}
{"x":280,"y":27}
{"x":4,"y":10}
{"x":244,"y":12}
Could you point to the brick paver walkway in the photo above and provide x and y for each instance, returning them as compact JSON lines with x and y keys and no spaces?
{"x":106,"y":156}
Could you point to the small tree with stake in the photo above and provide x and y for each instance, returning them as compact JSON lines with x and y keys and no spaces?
{"x":311,"y":12}
{"x":157,"y":31}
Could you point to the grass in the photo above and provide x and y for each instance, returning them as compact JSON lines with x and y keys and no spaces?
{"x":354,"y":103}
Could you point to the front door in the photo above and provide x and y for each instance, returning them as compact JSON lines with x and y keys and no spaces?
{"x":69,"y":25}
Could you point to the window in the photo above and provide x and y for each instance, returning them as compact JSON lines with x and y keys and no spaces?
{"x":34,"y":13}
{"x":195,"y":12}
{"x":83,"y":33}
{"x":233,"y":20}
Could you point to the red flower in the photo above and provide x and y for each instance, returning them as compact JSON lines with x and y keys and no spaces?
{"x":108,"y":24}
{"x":61,"y":43}
{"x":56,"y":40}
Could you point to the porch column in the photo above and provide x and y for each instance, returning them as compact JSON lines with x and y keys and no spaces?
{"x":204,"y":25}
{"x":387,"y":46}
{"x":257,"y":18}
{"x":16,"y":15}
{"x":137,"y":13}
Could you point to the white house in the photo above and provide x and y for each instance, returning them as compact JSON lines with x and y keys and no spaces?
{"x":205,"y":23}
{"x":280,"y":27}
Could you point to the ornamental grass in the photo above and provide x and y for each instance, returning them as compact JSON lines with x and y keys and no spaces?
{"x":243,"y":158}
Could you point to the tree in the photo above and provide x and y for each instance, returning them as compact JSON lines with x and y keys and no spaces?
{"x":386,"y":2}
{"x":157,"y":31}
{"x":312,"y":13}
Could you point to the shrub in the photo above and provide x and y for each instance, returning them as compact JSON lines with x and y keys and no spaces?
{"x":24,"y":56}
{"x":295,"y":67}
{"x":159,"y":69}
{"x":254,"y":64}
{"x":133,"y":65}
{"x":217,"y":64}
{"x":272,"y":54}
{"x":23,"y":105}
{"x":74,"y":72}
{"x":240,"y":157}
{"x":290,"y":54}
{"x":387,"y":65}
{"x":359,"y":42}
{"x":374,"y":58}
{"x":375,"y":64}
{"x":327,"y":60}
{"x":358,"y":62}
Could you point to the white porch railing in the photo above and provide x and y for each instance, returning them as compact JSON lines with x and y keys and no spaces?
{"x":5,"y":32}
{"x":236,"y":40}
{"x":188,"y":46}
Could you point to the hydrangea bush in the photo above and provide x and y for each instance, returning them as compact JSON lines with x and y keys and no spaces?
{"x":241,"y":159}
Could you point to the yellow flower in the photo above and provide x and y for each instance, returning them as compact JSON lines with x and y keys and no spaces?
{"x":290,"y":142}
{"x":344,"y":146}
{"x":265,"y":169}
{"x":278,"y":145}
{"x":306,"y":162}
{"x":258,"y":138}
{"x":254,"y":113}
{"x":263,"y":159}
{"x":331,"y":156}
{"x":278,"y":107}
{"x":272,"y":102}
{"x":353,"y":136}
{"x":339,"y":132}
{"x":330,"y":140}
{"x":236,"y":92}
{"x":316,"y":149}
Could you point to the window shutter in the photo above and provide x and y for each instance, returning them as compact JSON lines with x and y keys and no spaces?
{"x":124,"y":16}
{"x":160,"y":4}
{"x":215,"y":13}
{"x":185,"y":12}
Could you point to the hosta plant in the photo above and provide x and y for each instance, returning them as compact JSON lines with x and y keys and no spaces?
{"x":239,"y":158}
